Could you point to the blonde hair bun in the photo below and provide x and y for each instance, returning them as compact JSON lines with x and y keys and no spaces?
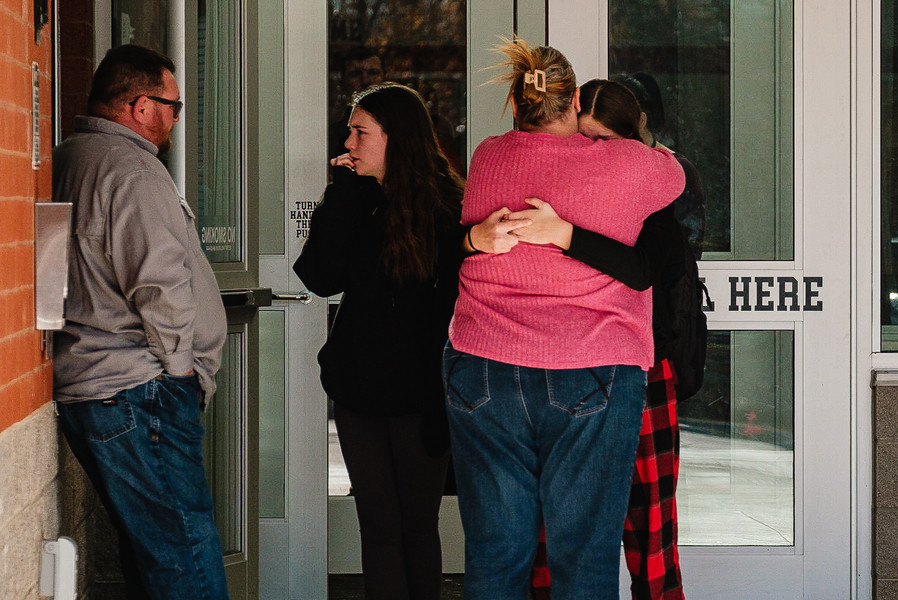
{"x":542,"y":81}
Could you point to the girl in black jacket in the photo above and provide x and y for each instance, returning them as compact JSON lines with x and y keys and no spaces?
{"x":387,"y":236}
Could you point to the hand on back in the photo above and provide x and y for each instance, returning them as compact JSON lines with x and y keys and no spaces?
{"x":545,"y":227}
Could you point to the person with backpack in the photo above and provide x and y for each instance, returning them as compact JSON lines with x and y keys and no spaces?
{"x":689,"y":208}
{"x":661,"y":259}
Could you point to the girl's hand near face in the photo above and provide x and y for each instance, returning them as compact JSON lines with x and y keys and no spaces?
{"x":344,"y":160}
{"x":546,"y":226}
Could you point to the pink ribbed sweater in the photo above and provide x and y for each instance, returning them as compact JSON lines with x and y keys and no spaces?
{"x":534,"y":306}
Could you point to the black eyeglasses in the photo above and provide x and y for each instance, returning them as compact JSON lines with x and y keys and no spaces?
{"x":176,"y":105}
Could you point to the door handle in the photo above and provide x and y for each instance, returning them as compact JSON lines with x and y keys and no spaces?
{"x":303,"y":297}
{"x":250,"y":297}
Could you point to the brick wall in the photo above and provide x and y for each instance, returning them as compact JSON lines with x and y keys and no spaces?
{"x":25,"y":376}
{"x":43,"y":491}
{"x":29,"y":456}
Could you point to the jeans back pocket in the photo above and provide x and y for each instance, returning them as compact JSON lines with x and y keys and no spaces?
{"x":466,"y":378}
{"x":580,"y":392}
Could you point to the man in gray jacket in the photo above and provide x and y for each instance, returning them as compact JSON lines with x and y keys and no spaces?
{"x":144,"y":330}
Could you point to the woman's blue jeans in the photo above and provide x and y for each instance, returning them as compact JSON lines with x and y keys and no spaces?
{"x":533,"y":445}
{"x":142,"y":450}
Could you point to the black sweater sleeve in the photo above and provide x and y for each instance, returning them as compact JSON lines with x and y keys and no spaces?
{"x":324,"y":263}
{"x":635,"y":266}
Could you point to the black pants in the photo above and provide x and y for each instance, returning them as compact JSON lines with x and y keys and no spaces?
{"x":398,"y":487}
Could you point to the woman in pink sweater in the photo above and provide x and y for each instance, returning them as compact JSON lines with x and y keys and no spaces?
{"x":545,"y":367}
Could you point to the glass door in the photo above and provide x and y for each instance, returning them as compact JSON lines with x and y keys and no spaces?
{"x":756,"y":96}
{"x":422,"y":45}
{"x":291,"y":105}
{"x":308,"y":70}
{"x":729,"y":111}
{"x":219,"y":174}
{"x":211,"y":166}
{"x":442,"y":50}
{"x":752,"y":94}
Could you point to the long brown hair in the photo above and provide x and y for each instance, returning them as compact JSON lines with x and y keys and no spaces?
{"x":534,"y":106}
{"x":422,"y":189}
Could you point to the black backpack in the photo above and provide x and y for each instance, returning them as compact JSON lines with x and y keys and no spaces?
{"x":687,"y":325}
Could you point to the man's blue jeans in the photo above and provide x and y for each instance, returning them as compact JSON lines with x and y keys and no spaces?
{"x":533,"y":445}
{"x":142,"y":449}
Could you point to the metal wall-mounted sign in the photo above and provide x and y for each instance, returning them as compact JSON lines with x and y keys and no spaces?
{"x":52,"y":226}
{"x":35,"y":116}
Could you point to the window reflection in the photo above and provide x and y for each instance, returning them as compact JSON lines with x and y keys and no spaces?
{"x":421,"y":44}
{"x":143,"y":22}
{"x":736,"y":444}
{"x":223,"y":445}
{"x":889,"y":190}
{"x":272,"y":413}
{"x":219,"y":122}
{"x":724,"y":76}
